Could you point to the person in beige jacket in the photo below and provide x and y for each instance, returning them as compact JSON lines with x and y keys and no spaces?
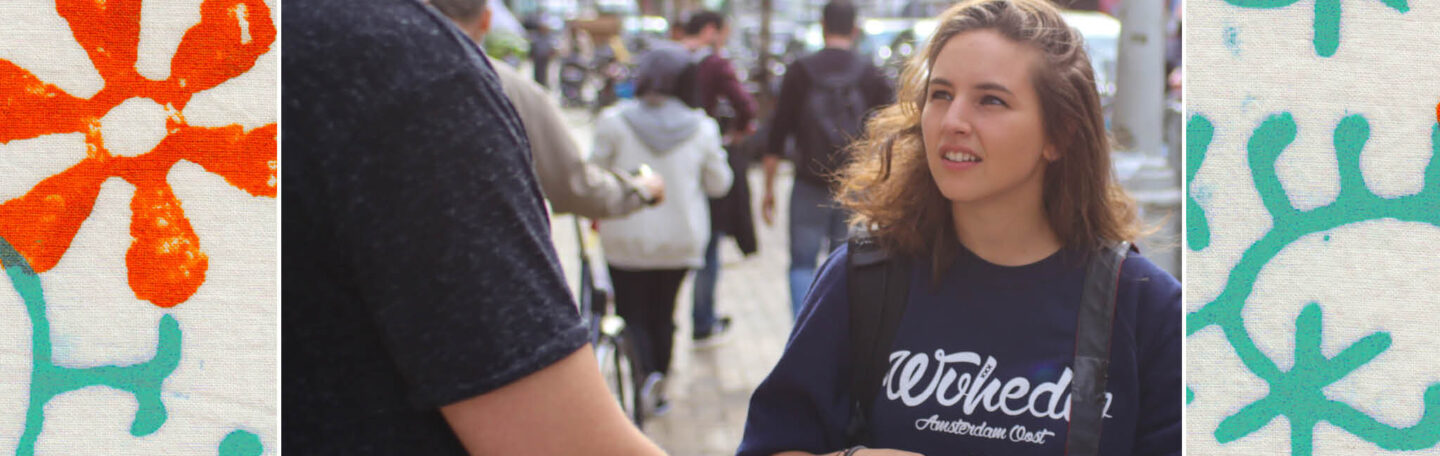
{"x":570,"y":184}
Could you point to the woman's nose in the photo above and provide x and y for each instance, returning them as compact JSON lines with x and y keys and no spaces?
{"x":956,"y":120}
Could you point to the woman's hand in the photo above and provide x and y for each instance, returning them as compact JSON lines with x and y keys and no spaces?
{"x":861,"y":452}
{"x":883,"y":452}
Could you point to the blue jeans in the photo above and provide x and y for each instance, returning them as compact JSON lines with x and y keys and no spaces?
{"x":815,"y":218}
{"x":702,"y":312}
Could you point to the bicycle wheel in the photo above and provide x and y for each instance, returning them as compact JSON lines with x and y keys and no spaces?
{"x":618,"y":368}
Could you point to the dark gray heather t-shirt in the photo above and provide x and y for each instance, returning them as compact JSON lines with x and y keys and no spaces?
{"x":417,"y":264}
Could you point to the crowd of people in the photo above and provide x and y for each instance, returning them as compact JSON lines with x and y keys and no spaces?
{"x":971,"y":211}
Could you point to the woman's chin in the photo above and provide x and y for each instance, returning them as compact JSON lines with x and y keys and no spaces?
{"x":957,"y":194}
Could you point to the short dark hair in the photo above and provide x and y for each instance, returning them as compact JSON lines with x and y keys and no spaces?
{"x":702,"y":18}
{"x":461,"y":10}
{"x":838,"y":17}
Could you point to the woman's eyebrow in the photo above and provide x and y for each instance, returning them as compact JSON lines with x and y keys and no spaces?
{"x":993,"y":86}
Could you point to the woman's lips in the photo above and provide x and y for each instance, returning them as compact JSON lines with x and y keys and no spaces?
{"x":958,"y":158}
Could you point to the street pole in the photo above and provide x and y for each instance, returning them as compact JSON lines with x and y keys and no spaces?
{"x":767,"y":8}
{"x":1140,"y":84}
{"x":1138,"y":125}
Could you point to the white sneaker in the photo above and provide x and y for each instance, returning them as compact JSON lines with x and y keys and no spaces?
{"x":652,"y":395}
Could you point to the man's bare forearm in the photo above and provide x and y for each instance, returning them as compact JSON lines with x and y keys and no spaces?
{"x":563,"y":409}
{"x":771,"y":164}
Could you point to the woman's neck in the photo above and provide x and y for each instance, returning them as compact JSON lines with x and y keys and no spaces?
{"x":1009,"y":232}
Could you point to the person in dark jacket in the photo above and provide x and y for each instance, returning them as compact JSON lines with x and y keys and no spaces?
{"x":817,"y":224}
{"x":719,"y":93}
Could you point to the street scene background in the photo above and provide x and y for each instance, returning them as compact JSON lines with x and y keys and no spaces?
{"x":709,"y":388}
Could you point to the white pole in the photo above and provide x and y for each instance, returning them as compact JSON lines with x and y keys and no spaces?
{"x":1140,"y":82}
{"x":1138,"y":126}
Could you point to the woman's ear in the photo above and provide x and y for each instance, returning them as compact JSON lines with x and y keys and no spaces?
{"x":1049,"y":153}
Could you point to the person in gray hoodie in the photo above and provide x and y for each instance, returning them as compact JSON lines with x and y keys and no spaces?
{"x":650,"y":251}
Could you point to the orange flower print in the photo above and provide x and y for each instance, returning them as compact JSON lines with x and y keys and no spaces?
{"x":165,"y":263}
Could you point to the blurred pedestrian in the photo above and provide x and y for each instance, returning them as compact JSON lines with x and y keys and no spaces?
{"x":568,"y":182}
{"x":824,"y":100}
{"x":1019,"y":321}
{"x":425,"y":311}
{"x":542,"y":48}
{"x":650,"y":252}
{"x":705,"y":36}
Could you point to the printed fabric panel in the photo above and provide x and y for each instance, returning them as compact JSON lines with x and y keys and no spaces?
{"x":1313,"y":227}
{"x":138,"y":228}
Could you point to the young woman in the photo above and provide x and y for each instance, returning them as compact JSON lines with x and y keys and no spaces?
{"x":992,"y":177}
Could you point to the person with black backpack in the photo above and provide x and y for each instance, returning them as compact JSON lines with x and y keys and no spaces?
{"x":823,"y":103}
{"x":991,"y":304}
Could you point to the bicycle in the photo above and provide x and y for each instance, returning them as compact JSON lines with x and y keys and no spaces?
{"x":612,"y":339}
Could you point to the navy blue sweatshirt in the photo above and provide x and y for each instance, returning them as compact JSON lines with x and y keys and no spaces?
{"x":980,"y":364}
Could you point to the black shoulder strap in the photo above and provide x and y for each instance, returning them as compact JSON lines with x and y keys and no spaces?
{"x":879,"y":287}
{"x":1092,"y":350}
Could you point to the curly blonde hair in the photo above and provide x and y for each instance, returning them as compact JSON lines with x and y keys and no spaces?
{"x":888,"y":186}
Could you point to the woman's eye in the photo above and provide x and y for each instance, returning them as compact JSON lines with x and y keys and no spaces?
{"x":940,"y":95}
{"x":993,"y":100}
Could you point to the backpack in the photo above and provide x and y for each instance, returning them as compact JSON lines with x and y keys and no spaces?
{"x":879,"y":289}
{"x":834,"y":114}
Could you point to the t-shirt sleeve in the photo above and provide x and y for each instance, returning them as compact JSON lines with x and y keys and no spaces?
{"x":449,"y":242}
{"x":1158,"y":340}
{"x":803,"y":405}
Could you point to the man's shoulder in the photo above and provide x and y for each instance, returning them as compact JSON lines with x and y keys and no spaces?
{"x":403,"y":39}
{"x":516,"y":86}
{"x":506,"y":72}
{"x":834,"y":61}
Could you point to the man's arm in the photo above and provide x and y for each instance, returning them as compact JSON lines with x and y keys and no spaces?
{"x":787,"y":112}
{"x":878,"y":91}
{"x":541,"y":414}
{"x":767,"y":200}
{"x":741,"y":100}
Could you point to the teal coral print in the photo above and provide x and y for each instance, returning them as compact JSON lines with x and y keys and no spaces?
{"x":1298,"y":394}
{"x":1198,"y":133}
{"x":1327,"y":18}
{"x":241,"y":443}
{"x":143,"y":380}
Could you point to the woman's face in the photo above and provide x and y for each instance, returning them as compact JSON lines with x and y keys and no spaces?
{"x":984,"y":139}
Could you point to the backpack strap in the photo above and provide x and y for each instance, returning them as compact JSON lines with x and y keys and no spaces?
{"x":1092,"y":349}
{"x":879,"y":287}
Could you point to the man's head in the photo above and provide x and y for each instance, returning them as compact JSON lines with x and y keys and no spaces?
{"x":707,"y":27}
{"x":838,"y":18}
{"x":472,"y":16}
